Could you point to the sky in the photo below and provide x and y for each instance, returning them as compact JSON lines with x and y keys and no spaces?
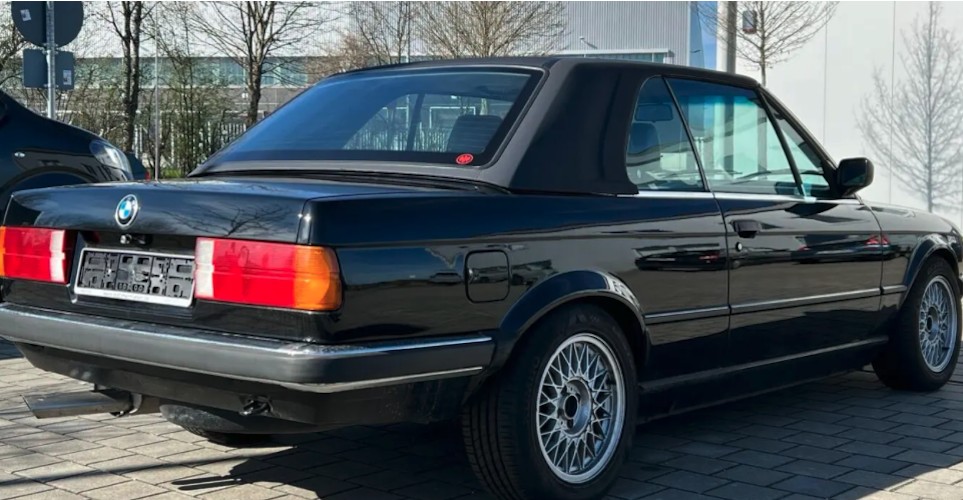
{"x":824,"y":82}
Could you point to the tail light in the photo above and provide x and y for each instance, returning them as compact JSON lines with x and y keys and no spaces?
{"x":267,"y":274}
{"x":32,"y":253}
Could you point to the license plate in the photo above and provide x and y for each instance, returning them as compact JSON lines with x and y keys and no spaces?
{"x":138,"y":276}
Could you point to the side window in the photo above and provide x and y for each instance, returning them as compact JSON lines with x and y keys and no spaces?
{"x":735,"y":139}
{"x":807,"y":160}
{"x":658,"y":154}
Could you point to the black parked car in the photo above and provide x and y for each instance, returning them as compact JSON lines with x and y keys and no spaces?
{"x":36,"y":151}
{"x":551,"y":249}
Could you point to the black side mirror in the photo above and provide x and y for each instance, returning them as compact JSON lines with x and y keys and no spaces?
{"x":853,"y":174}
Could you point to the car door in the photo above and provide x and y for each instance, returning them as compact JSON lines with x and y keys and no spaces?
{"x":679,"y":257}
{"x":805,"y":265}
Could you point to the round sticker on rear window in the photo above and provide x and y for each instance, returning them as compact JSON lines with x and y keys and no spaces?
{"x":464,"y":159}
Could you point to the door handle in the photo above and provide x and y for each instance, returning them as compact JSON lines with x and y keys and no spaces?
{"x":746,"y":228}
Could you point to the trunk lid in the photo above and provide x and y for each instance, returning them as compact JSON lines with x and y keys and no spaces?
{"x":267,"y":209}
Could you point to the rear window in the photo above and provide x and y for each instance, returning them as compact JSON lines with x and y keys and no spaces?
{"x":457,"y":117}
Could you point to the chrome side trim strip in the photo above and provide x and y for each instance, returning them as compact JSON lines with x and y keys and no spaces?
{"x":804,"y":301}
{"x":721,"y":195}
{"x":705,"y":195}
{"x":687,"y":315}
{"x":383,"y":382}
{"x":890,"y":289}
{"x":681,"y":195}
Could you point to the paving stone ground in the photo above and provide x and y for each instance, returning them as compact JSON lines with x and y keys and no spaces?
{"x":846,"y":437}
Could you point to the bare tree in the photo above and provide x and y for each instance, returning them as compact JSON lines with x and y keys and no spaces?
{"x":771,"y":31}
{"x":381,"y":32}
{"x":196,"y":105}
{"x":11,"y":43}
{"x":485,"y":29}
{"x":919,"y":125}
{"x":256,"y":35}
{"x":127,"y":19}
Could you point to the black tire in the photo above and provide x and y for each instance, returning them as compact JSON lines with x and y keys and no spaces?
{"x":902,"y":365}
{"x":230,"y":439}
{"x":500,"y":424}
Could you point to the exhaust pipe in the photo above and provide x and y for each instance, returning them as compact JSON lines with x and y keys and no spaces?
{"x":70,"y":404}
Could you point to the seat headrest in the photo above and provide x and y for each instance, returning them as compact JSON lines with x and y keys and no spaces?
{"x":642,"y":137}
{"x":472,"y":133}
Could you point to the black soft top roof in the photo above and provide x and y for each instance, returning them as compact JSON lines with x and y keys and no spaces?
{"x":570,"y":138}
{"x":547,"y":62}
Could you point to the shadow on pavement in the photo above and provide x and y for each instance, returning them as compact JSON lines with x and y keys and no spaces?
{"x":846,"y":437}
{"x":421,"y":461}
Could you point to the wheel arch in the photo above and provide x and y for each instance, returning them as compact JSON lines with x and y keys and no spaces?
{"x":931,"y":246}
{"x":575,"y":287}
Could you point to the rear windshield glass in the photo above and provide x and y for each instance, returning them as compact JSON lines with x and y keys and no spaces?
{"x":457,"y":117}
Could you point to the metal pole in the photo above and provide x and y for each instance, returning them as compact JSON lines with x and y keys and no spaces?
{"x":157,"y":130}
{"x":51,"y":63}
{"x":731,"y":20}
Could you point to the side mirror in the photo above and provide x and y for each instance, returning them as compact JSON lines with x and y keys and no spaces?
{"x":853,"y":174}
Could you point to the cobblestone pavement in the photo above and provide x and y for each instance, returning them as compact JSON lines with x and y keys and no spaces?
{"x":845,"y":437}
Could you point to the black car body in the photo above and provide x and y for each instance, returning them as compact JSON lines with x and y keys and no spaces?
{"x":360,"y":264}
{"x":36,"y":152}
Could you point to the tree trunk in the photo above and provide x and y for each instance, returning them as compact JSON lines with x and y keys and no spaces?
{"x":254,"y":92}
{"x":130,"y":32}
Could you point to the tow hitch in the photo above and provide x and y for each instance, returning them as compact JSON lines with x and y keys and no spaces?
{"x":69,"y":404}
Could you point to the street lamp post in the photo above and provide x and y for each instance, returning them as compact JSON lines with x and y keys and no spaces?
{"x":157,"y":131}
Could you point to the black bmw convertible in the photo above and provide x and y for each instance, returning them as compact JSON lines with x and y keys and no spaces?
{"x":552,"y":250}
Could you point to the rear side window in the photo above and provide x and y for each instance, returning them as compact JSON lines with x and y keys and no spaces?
{"x":739,"y":146}
{"x":659,"y":154}
{"x":432,"y":116}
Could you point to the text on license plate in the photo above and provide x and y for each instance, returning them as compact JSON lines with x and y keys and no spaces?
{"x":142,"y":277}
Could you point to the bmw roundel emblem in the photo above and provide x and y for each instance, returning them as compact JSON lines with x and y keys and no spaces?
{"x":126,"y":210}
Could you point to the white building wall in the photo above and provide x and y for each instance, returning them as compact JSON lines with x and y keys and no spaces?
{"x":628,"y":25}
{"x":825,"y":82}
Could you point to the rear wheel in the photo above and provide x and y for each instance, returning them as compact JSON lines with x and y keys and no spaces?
{"x":558,"y":420}
{"x":925,"y":341}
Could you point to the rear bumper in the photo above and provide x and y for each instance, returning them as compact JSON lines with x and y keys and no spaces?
{"x":301,"y":367}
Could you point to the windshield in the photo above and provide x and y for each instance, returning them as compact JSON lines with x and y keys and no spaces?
{"x":449,"y":116}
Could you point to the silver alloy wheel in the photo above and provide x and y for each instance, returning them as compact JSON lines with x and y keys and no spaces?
{"x":580,"y":408}
{"x":938,"y":324}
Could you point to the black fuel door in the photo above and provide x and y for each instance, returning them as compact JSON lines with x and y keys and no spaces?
{"x":488,"y":276}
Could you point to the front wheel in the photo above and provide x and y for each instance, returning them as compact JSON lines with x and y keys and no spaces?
{"x":557,"y":422}
{"x":925,"y":341}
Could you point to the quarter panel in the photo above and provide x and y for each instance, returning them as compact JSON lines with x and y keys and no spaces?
{"x":403,"y":257}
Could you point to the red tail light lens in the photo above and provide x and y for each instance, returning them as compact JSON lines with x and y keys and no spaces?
{"x":267,"y":274}
{"x":32,"y":253}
